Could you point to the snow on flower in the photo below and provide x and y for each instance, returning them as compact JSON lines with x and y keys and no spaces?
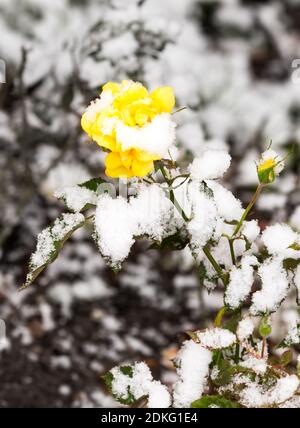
{"x":275,"y":285}
{"x":192,"y":362}
{"x":269,"y":166}
{"x":240,"y":282}
{"x":154,"y":137}
{"x":212,"y":164}
{"x":216,"y":338}
{"x":279,"y":240}
{"x":135,"y":126}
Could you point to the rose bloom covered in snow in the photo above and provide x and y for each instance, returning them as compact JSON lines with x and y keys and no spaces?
{"x":135,"y":126}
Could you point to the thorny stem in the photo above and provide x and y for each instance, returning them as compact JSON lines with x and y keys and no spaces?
{"x":248,"y":209}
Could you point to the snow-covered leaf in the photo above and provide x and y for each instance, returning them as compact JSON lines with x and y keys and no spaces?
{"x":214,"y":401}
{"x":50,"y":242}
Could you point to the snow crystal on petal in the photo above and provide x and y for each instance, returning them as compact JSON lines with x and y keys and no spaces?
{"x":156,"y":137}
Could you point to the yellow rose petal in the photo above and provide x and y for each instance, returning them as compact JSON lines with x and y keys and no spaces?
{"x":141,"y":169}
{"x":164,"y":97}
{"x":105,"y":141}
{"x":127,"y":158}
{"x":120,"y":172}
{"x":112,"y":87}
{"x":113,"y":160}
{"x":143,"y":156}
{"x":86,"y":124}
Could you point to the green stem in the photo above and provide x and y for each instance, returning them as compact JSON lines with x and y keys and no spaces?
{"x":172,"y":195}
{"x":237,"y":353}
{"x":231,"y":246}
{"x":248,"y":209}
{"x":215,"y":265}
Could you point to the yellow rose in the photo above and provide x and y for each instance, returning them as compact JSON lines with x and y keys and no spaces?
{"x":124,"y":119}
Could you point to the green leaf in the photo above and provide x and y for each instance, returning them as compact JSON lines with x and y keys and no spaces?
{"x":248,"y":243}
{"x":127,"y":370}
{"x":175,"y":242}
{"x":232,"y":222}
{"x":193,"y":335}
{"x":233,"y":322}
{"x":291,"y":339}
{"x":208,"y":401}
{"x":226,"y":371}
{"x":93,"y":183}
{"x":295,"y":246}
{"x":207,"y":190}
{"x":264,"y":328}
{"x":50,"y":242}
{"x":219,"y":317}
{"x":108,"y":379}
{"x":286,"y":358}
{"x":291,"y":264}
